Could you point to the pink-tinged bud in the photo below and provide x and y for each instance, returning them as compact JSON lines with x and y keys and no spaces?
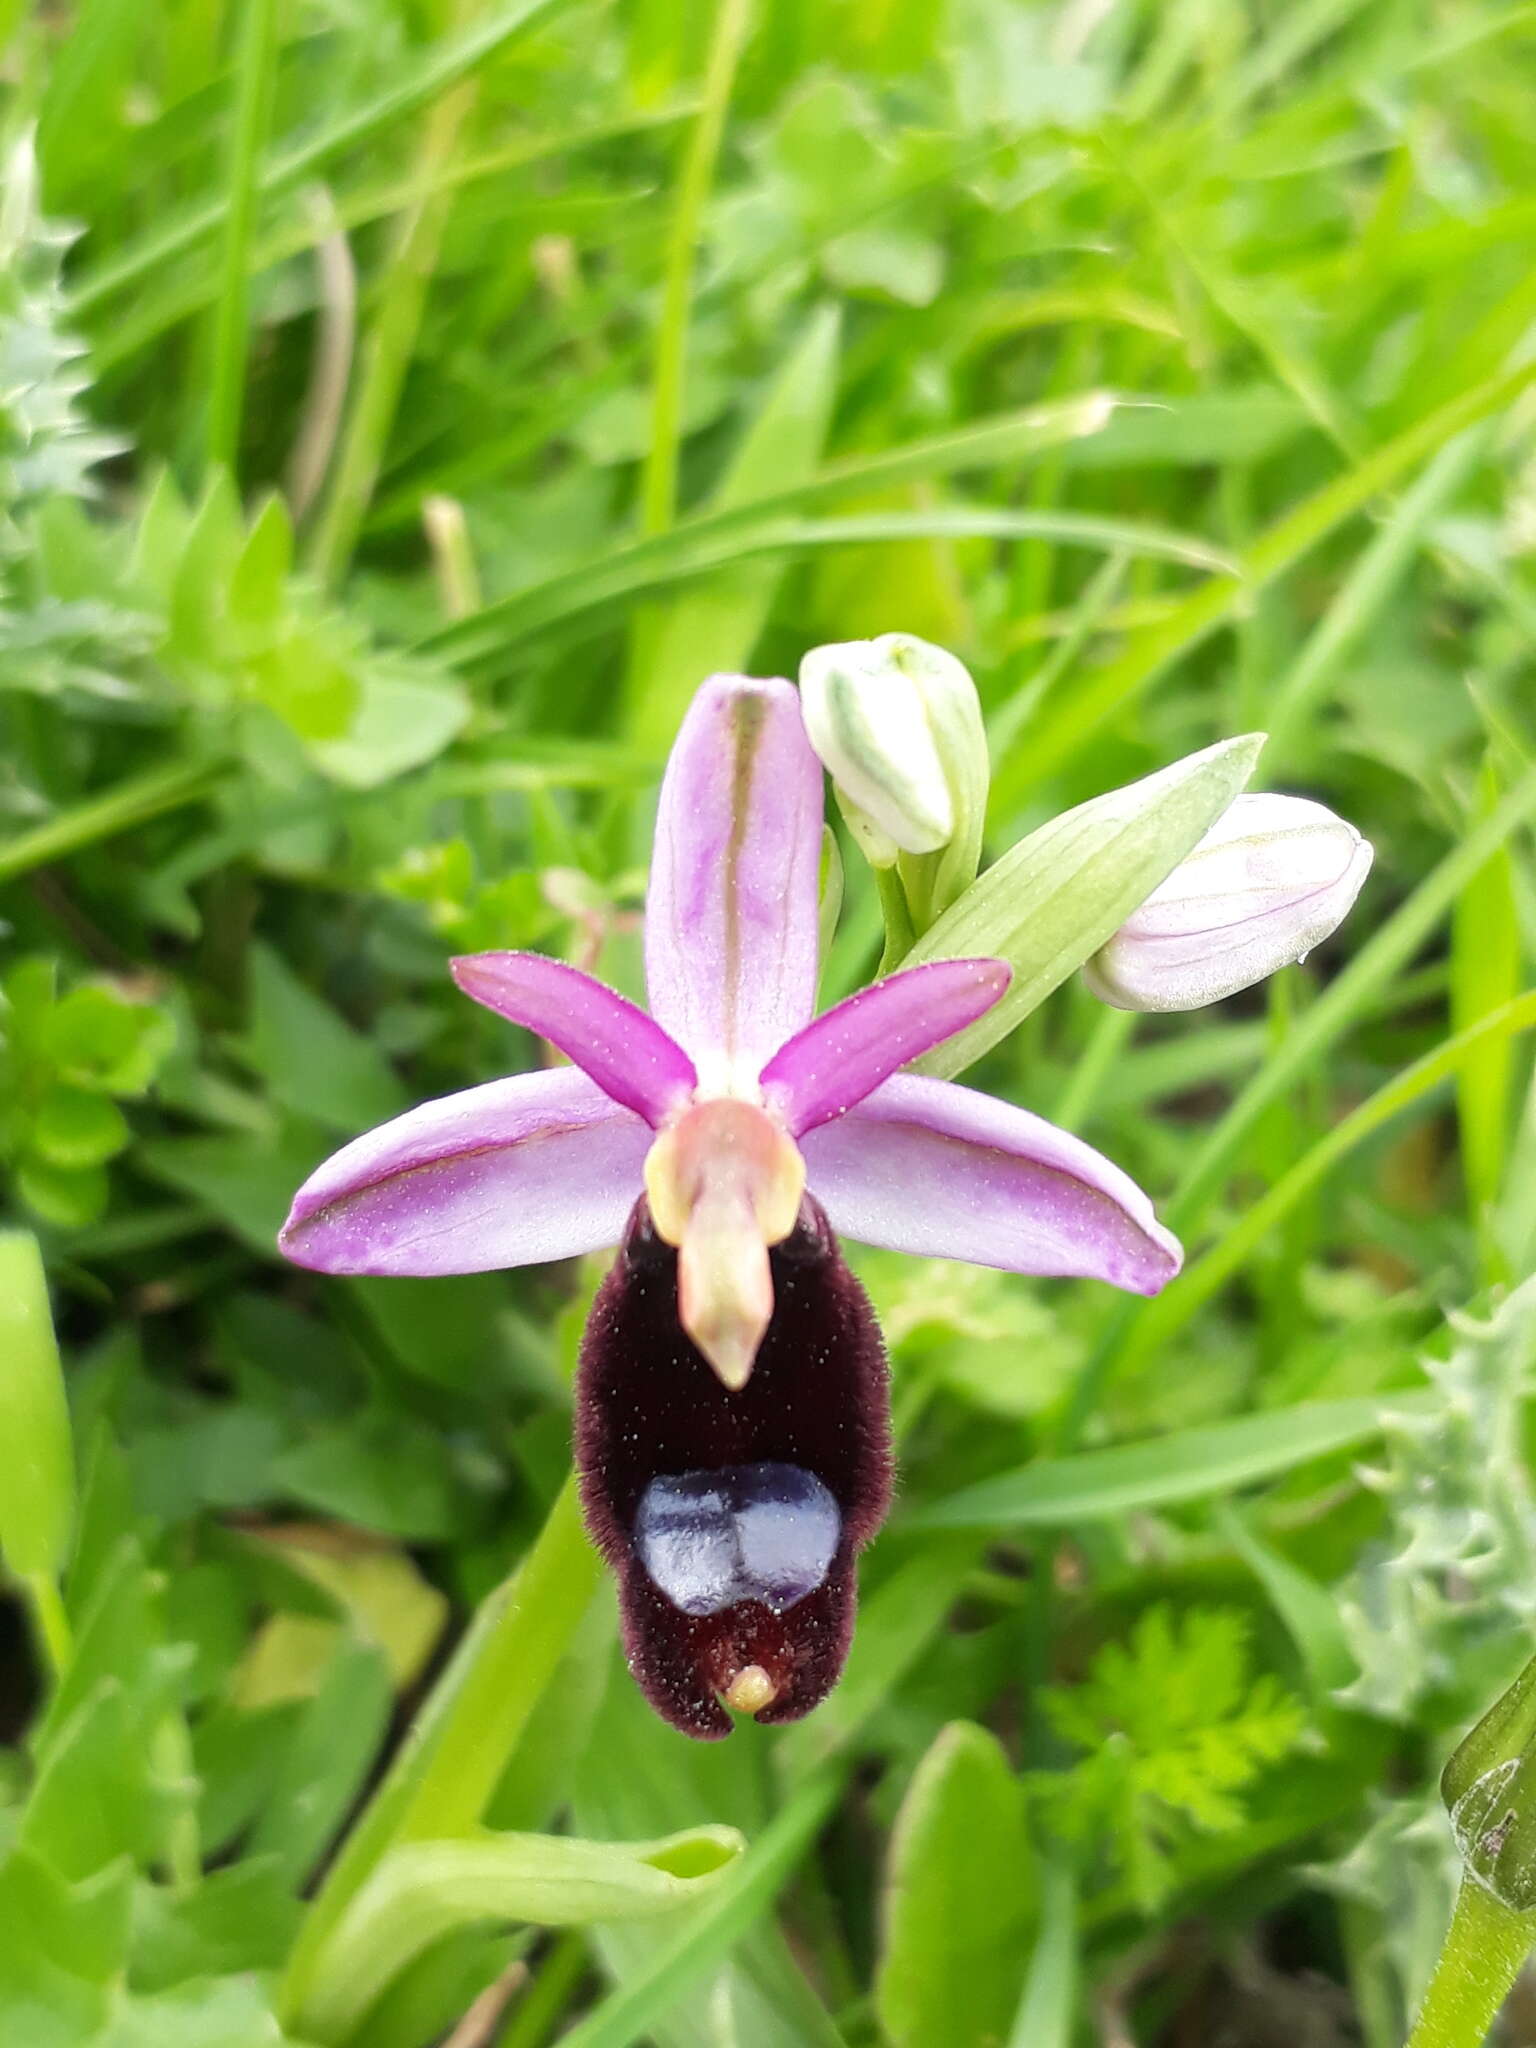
{"x":1272,"y":877}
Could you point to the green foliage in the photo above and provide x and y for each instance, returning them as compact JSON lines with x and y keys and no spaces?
{"x":959,"y":1900}
{"x":1173,"y":1729}
{"x":1167,"y":364}
{"x":1444,"y":1596}
{"x":66,"y":1061}
{"x":49,"y":444}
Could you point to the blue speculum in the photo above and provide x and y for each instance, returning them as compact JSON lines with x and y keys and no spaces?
{"x":764,"y":1532}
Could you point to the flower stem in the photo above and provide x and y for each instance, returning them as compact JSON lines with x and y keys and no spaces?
{"x":129,"y":803}
{"x":1487,"y":1943}
{"x":453,"y":1759}
{"x":658,"y":488}
{"x":50,"y":1621}
{"x":894,"y":908}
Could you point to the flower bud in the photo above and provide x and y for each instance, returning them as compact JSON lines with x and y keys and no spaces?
{"x":898,"y":726}
{"x":1489,"y":1789}
{"x":1273,"y":876}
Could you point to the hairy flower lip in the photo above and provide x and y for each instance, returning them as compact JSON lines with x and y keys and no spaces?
{"x":649,"y":1405}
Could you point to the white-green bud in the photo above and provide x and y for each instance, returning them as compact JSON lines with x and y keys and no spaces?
{"x":1270,"y":880}
{"x":897,"y":724}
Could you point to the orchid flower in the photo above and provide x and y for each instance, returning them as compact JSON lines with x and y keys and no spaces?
{"x":732,"y":1430}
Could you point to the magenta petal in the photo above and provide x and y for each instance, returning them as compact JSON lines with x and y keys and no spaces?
{"x":730,"y":920}
{"x":626,"y":1053}
{"x":539,"y":1167}
{"x":843,"y":1055}
{"x":944,"y":1172}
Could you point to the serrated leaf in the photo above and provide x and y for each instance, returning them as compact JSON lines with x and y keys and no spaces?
{"x":257,"y":588}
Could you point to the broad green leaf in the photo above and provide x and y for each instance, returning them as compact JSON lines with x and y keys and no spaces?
{"x":1185,"y":1465}
{"x":959,"y":1898}
{"x":247,"y":1183}
{"x":257,"y":588}
{"x":1057,"y":896}
{"x":312,"y":1061}
{"x":74,"y":1128}
{"x":37,"y":1498}
{"x":426,"y":1889}
{"x":403,"y":720}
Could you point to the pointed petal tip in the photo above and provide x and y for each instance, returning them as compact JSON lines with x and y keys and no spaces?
{"x":614,"y":1042}
{"x":937,"y":1170}
{"x":847,"y":1052}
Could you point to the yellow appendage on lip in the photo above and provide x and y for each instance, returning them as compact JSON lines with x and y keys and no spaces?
{"x":724,"y":1183}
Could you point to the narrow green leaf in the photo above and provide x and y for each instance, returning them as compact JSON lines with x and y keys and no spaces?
{"x":1187,"y":1464}
{"x":713,"y":629}
{"x":441,"y":1782}
{"x":713,"y":539}
{"x":1068,"y":722}
{"x":1048,"y":2009}
{"x":255,"y":77}
{"x":1485,"y":975}
{"x":455,"y":57}
{"x":1309,"y":1611}
{"x":1158,"y":1322}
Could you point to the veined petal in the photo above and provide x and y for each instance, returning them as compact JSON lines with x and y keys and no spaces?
{"x":944,"y":1172}
{"x":844,"y":1054}
{"x":730,"y":917}
{"x":542,"y":1166}
{"x":625,"y":1052}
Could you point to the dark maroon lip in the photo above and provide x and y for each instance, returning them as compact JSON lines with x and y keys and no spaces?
{"x":650,"y":1407}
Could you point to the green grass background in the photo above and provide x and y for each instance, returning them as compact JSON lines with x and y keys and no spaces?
{"x":402,"y":406}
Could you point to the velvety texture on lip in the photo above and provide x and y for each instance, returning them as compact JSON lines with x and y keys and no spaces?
{"x":648,"y":1405}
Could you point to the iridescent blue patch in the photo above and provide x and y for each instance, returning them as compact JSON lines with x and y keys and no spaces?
{"x":763,"y":1532}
